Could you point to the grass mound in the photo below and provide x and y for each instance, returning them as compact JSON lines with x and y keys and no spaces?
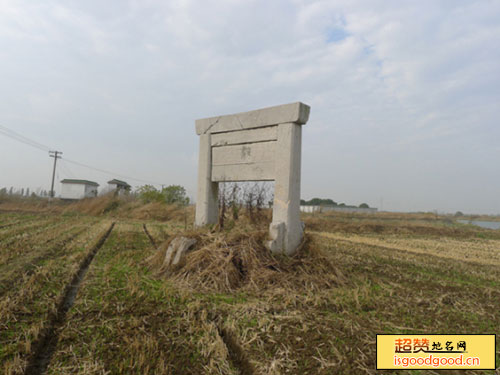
{"x":111,"y":205}
{"x":224,"y":262}
{"x":129,"y":207}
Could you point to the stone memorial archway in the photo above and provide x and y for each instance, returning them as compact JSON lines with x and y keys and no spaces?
{"x":260,"y":145}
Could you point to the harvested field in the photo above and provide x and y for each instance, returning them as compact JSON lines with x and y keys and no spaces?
{"x":232,"y":308}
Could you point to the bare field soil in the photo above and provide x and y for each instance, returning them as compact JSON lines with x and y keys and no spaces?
{"x":233,"y":308}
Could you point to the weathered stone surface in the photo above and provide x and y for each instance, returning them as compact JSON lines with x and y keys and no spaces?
{"x":294,"y":112}
{"x":246,"y":162}
{"x":244,"y":154}
{"x":286,"y":207}
{"x":169,"y":255}
{"x":177,"y":250}
{"x":263,"y":171}
{"x":183,"y":247}
{"x":206,"y":202}
{"x":269,"y":133}
{"x":277,"y":234}
{"x":261,"y":145}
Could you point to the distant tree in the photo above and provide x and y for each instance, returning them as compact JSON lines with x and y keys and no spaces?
{"x":318,"y":202}
{"x":364,"y":205}
{"x":148,"y":194}
{"x":27,"y":192}
{"x":175,"y":194}
{"x":170,"y":194}
{"x":3,"y":191}
{"x":342,"y":205}
{"x":459,"y":213}
{"x":11,"y":190}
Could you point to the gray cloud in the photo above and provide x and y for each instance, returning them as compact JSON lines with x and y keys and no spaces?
{"x":404,"y":95}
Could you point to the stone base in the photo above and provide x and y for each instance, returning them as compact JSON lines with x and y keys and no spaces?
{"x":283,"y":242}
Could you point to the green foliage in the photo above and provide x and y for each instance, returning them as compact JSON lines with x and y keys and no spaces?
{"x":328,"y":202}
{"x":175,"y":194}
{"x":318,"y":202}
{"x":459,"y":213}
{"x":148,"y":194}
{"x":171,"y":194}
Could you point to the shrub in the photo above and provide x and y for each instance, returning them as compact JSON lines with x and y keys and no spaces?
{"x":171,"y":194}
{"x":175,"y":194}
{"x":148,"y":194}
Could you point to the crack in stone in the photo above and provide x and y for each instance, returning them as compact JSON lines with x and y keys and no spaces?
{"x":212,"y":125}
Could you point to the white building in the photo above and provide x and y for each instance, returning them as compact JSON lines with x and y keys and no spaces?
{"x":121,"y":187}
{"x":78,"y":189}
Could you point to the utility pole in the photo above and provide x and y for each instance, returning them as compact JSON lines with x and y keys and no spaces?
{"x":55,"y":155}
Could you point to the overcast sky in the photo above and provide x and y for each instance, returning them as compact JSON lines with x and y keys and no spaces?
{"x":404,"y":95}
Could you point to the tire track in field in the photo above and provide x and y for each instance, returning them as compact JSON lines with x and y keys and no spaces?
{"x":236,"y":353}
{"x":45,"y":346}
{"x":151,"y":239}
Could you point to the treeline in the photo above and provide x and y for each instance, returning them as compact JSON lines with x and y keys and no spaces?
{"x":329,"y":202}
{"x":146,"y":193}
{"x":170,"y":194}
{"x":22,"y":192}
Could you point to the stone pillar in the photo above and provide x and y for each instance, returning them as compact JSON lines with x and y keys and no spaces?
{"x":286,"y":229}
{"x":207,"y":209}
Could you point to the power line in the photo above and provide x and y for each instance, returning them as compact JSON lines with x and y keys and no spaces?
{"x":66,"y":169}
{"x":20,"y":138}
{"x":110,"y":173}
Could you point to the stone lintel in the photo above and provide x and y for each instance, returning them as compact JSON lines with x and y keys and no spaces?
{"x":297,"y":113}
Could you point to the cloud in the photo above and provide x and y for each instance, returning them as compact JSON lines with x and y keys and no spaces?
{"x":395,"y":87}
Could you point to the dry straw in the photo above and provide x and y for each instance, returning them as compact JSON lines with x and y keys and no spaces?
{"x":225,"y":262}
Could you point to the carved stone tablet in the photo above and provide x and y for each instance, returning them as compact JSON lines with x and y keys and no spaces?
{"x":260,"y":145}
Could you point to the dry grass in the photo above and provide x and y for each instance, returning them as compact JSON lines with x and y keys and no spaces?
{"x":407,"y":225}
{"x":315,"y":313}
{"x":22,"y":243}
{"x":125,"y":207}
{"x":474,"y":250}
{"x":23,"y":204}
{"x":32,"y":283}
{"x":224,"y":262}
{"x":128,"y":207}
{"x":126,"y":322}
